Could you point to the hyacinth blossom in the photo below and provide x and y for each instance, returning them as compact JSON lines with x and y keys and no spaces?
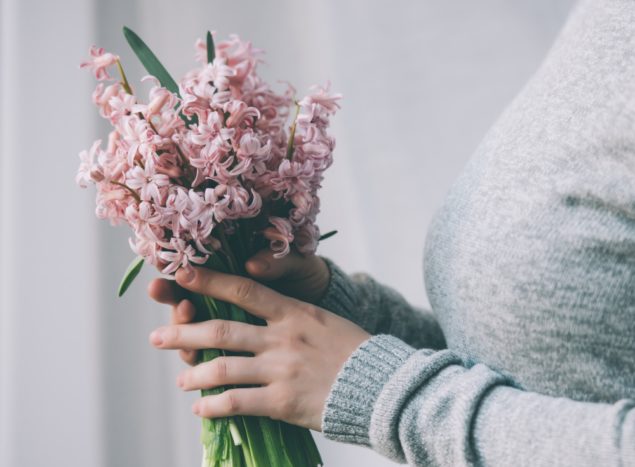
{"x":207,"y":171}
{"x":179,"y":167}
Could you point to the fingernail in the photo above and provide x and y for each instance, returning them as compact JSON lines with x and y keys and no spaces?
{"x":260,"y":265}
{"x":180,"y":381}
{"x":185,"y":275}
{"x":196,"y":409}
{"x":156,"y":338}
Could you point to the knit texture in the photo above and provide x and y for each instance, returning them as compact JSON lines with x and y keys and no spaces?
{"x":527,"y":357}
{"x":380,"y":309}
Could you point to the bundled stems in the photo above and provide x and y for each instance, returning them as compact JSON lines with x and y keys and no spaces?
{"x":244,"y":441}
{"x":251,"y":441}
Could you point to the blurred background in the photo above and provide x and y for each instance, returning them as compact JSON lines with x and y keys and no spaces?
{"x":422,"y":82}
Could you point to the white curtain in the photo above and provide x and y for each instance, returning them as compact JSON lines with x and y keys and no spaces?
{"x":79,"y":384}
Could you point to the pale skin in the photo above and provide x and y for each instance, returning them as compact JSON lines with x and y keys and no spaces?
{"x":296,"y":357}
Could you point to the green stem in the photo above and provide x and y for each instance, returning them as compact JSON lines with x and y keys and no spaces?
{"x":235,"y":432}
{"x":292,"y":132}
{"x":124,"y":80}
{"x":247,"y":441}
{"x":233,"y":264}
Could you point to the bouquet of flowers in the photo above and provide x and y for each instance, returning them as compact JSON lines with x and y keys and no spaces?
{"x":209,"y":171}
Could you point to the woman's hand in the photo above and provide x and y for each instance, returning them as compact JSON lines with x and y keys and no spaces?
{"x":296,"y":356}
{"x":303,"y":277}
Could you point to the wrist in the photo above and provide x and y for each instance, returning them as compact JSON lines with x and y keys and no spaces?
{"x":339,"y":294}
{"x":321,"y":278}
{"x":349,"y":407}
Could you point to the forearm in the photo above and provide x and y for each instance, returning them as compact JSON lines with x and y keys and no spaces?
{"x":380,"y":309}
{"x":435,"y":409}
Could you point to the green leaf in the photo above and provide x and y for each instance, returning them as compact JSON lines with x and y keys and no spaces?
{"x":154,"y":67}
{"x":327,"y":235}
{"x":211,"y":50}
{"x":253,"y":446}
{"x":275,"y":450}
{"x":295,"y":445}
{"x":216,"y":263}
{"x":311,"y":449}
{"x":133,"y":271}
{"x":150,"y":61}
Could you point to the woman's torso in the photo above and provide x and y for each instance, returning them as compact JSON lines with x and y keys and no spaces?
{"x":530,"y":262}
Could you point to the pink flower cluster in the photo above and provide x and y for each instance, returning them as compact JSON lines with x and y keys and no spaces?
{"x":184,"y":170}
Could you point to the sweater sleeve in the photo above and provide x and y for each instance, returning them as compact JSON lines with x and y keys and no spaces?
{"x":380,"y":309}
{"x":433,"y":408}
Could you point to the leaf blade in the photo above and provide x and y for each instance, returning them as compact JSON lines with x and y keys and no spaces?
{"x":150,"y":61}
{"x":327,"y":235}
{"x":211,"y":50}
{"x":131,"y":273}
{"x":153,"y":66}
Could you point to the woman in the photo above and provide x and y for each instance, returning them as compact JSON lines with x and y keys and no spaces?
{"x":528,"y":354}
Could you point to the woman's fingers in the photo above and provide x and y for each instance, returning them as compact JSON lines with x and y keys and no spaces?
{"x":165,"y":291}
{"x":188,"y":356}
{"x":294,"y":275}
{"x":246,"y":293}
{"x":265,"y":267}
{"x":169,"y":293}
{"x":216,"y":334}
{"x":183,"y":313}
{"x":240,"y":401}
{"x":222,"y":371}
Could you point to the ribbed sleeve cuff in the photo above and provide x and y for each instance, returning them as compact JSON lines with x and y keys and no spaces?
{"x":349,"y":406}
{"x":340,"y":293}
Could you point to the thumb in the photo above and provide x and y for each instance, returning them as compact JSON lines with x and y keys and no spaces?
{"x":264,"y":266}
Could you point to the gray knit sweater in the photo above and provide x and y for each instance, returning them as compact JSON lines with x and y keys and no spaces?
{"x":527,"y":357}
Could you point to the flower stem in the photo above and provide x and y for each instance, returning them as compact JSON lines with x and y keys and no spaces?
{"x":231,"y":259}
{"x":134,"y":194}
{"x":124,"y":80}
{"x":233,"y":429}
{"x":292,"y":132}
{"x":243,"y":441}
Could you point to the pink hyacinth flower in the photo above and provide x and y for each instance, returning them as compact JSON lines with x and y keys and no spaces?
{"x":147,"y":181}
{"x":175,"y":215}
{"x":159,"y":96}
{"x":240,"y":56}
{"x":280,"y":236}
{"x":250,"y":146}
{"x":99,"y":61}
{"x":120,"y":106}
{"x":182,"y":256}
{"x":102,"y":96}
{"x":307,"y":238}
{"x":145,"y":247}
{"x":139,"y":137}
{"x":235,"y":202}
{"x":293,"y":177}
{"x":203,"y":204}
{"x":112,"y":201}
{"x":239,"y":112}
{"x":322,"y":97}
{"x":144,"y":220}
{"x":89,"y":171}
